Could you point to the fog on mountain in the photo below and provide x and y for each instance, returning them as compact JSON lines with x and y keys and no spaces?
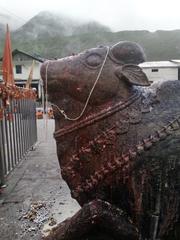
{"x":54,"y":36}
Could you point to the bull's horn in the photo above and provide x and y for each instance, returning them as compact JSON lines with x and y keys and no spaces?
{"x":127,"y":52}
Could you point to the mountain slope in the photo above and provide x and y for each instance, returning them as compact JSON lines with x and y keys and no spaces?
{"x":43,"y":24}
{"x":47,"y":24}
{"x":55,"y":36}
{"x":161,"y":45}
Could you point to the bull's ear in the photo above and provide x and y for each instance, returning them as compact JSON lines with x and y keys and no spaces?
{"x":133,"y":74}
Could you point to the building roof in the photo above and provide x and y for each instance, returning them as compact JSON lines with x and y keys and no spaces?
{"x":176,"y":61}
{"x":35,"y":56}
{"x":161,"y":64}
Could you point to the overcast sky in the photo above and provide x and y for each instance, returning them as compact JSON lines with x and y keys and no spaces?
{"x":117,"y":14}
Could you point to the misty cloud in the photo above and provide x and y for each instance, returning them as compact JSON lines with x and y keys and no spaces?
{"x":117,"y":14}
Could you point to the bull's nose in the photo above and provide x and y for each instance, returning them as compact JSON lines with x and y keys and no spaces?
{"x":51,"y":70}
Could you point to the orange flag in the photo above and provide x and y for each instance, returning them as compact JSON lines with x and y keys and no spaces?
{"x":7,"y":64}
{"x":29,"y":80}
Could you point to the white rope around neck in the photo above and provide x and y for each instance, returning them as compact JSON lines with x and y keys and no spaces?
{"x":88,"y":98}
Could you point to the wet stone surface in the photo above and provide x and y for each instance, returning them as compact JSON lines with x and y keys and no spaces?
{"x":36,"y":198}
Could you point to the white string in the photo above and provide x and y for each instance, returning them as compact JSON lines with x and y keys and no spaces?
{"x":88,"y":98}
{"x":46,"y":105}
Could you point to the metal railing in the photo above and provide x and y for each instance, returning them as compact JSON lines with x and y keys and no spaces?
{"x":18,"y":133}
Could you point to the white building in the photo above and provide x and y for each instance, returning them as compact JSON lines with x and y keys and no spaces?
{"x":162,"y":70}
{"x":22,"y":64}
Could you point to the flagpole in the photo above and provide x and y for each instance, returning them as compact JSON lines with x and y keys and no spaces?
{"x":7,"y":63}
{"x":29,"y":80}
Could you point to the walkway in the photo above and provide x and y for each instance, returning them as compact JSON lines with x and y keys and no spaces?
{"x":36,"y":197}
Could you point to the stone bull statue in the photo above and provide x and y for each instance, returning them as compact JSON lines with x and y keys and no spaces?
{"x":118,"y":144}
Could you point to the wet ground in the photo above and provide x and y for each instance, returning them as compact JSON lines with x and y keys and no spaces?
{"x":36,"y":197}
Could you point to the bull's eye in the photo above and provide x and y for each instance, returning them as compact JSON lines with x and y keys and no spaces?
{"x":94,"y":60}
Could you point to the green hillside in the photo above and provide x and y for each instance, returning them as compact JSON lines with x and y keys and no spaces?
{"x":52,"y":36}
{"x":161,"y":45}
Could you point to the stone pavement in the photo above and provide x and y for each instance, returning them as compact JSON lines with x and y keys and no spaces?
{"x":36,"y":197}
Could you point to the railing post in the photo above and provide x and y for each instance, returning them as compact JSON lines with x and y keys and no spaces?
{"x":18,"y":126}
{"x":2,"y":154}
{"x":2,"y":180}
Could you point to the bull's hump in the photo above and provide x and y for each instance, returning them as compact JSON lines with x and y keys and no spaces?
{"x":169,"y":91}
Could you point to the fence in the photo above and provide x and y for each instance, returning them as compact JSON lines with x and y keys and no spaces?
{"x":18,"y":130}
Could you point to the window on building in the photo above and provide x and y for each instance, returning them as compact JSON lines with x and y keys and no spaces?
{"x":155,"y":70}
{"x":18,"y":69}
